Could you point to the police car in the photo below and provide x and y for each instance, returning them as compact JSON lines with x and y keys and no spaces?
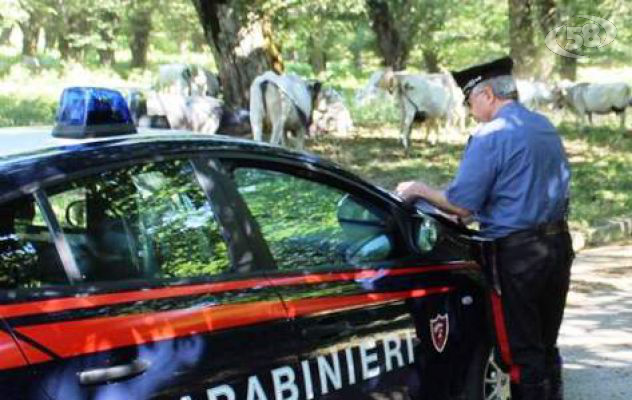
{"x":169,"y":265}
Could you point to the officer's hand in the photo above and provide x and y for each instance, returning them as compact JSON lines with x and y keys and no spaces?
{"x":410,"y":190}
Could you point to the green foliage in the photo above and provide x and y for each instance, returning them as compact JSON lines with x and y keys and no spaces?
{"x":24,"y":112}
{"x":292,"y":212}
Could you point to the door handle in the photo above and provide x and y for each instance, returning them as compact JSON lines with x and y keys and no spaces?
{"x":104,"y":375}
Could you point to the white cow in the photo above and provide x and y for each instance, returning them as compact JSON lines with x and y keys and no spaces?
{"x":534,"y":94}
{"x":599,"y":98}
{"x":201,"y":114}
{"x":286,"y":103}
{"x":195,"y":113}
{"x":186,"y":80}
{"x":331,"y":114}
{"x":431,"y":98}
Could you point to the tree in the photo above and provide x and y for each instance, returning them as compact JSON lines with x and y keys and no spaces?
{"x":521,"y":34}
{"x":105,"y":25}
{"x":31,"y":21}
{"x":529,"y":23}
{"x":320,"y":31}
{"x":401,"y":24}
{"x":139,"y":26}
{"x":392,"y":33}
{"x":242,"y":44}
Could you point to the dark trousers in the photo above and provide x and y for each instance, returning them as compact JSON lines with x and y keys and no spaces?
{"x":534,"y":277}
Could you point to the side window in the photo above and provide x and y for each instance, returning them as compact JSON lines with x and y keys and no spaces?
{"x":28,"y":257}
{"x":144,"y":221}
{"x":309,"y":224}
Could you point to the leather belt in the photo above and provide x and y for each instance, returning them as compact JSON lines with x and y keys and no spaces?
{"x":546,"y":229}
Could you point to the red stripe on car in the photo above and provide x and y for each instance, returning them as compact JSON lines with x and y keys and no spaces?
{"x":10,"y":355}
{"x":304,"y":307}
{"x":102,"y":334}
{"x":90,"y":301}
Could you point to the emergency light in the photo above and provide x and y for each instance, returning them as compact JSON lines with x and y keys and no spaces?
{"x":92,"y":112}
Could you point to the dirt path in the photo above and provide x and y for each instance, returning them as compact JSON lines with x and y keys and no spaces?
{"x":596,"y":336}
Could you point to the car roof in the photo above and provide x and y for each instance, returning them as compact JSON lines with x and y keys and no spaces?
{"x":23,"y":141}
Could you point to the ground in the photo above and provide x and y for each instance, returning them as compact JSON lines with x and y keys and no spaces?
{"x":596,"y":335}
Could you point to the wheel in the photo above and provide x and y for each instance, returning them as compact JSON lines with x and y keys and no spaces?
{"x":485,"y":379}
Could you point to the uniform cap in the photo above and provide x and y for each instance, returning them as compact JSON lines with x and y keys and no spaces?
{"x":470,"y":77}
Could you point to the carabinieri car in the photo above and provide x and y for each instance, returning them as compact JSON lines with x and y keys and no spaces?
{"x":170,"y":265}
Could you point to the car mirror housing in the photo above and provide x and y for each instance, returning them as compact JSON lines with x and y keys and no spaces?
{"x":426,"y":234}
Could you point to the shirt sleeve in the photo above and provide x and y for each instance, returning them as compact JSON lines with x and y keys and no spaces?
{"x":475,"y":177}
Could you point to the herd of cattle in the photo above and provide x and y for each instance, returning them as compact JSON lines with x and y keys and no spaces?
{"x":186,"y":96}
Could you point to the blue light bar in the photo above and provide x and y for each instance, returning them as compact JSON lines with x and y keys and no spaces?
{"x":92,"y":112}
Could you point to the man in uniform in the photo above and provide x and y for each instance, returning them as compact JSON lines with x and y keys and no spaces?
{"x":514,"y":180}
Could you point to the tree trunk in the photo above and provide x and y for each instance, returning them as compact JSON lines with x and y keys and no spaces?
{"x":106,"y":57}
{"x":317,"y":57}
{"x":50,"y":38}
{"x":358,"y":62}
{"x":392,"y":48}
{"x":243,"y":47}
{"x":568,"y":68}
{"x":30,"y":34}
{"x":139,"y":42}
{"x":77,"y":25}
{"x":63,"y":46}
{"x":521,"y":36}
{"x":431,"y":59}
{"x":547,"y":18}
{"x":5,"y":35}
{"x":197,"y":42}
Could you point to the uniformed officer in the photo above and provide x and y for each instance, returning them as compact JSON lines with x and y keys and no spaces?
{"x":514,"y":180}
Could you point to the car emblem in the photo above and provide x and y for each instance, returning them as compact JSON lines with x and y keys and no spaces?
{"x":439,"y":329}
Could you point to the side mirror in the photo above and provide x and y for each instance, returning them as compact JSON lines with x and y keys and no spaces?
{"x":76,"y":214}
{"x":426,"y":235}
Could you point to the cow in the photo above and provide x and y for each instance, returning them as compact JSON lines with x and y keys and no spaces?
{"x":186,"y":80}
{"x":430,"y":98}
{"x":535,"y":94}
{"x":598,"y":98}
{"x":331,"y":114}
{"x":286,"y":103}
{"x":201,"y":114}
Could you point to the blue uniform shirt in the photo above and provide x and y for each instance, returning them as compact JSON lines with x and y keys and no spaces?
{"x":514,"y":174}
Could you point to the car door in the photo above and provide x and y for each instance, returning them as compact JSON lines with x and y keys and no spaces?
{"x":362,"y":301}
{"x":143,"y":284}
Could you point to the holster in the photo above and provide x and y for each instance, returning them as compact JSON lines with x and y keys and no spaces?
{"x":485,"y":252}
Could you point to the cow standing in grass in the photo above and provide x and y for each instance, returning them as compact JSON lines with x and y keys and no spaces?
{"x":586,"y":99}
{"x":331,"y":114}
{"x":535,"y":94}
{"x":284,"y":102}
{"x":433,"y":99}
{"x":202,"y":114}
{"x":186,"y":80}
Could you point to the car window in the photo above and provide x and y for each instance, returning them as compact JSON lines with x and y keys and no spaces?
{"x":306,"y":223}
{"x":144,"y":221}
{"x":28,"y":258}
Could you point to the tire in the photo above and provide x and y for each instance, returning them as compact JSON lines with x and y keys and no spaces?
{"x":485,"y":380}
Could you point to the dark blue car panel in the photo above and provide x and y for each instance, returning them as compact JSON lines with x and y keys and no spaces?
{"x":355,"y":332}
